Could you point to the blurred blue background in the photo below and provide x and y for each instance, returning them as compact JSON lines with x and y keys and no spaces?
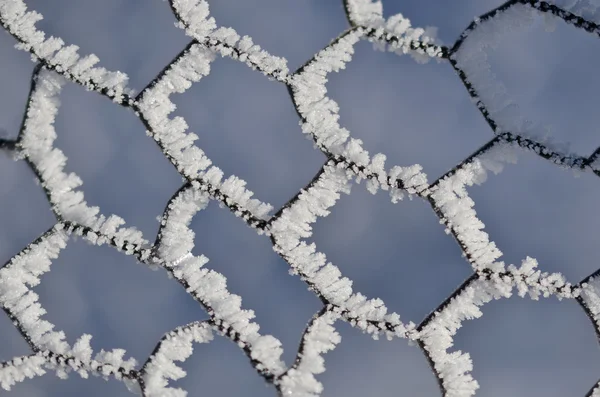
{"x":248,"y":127}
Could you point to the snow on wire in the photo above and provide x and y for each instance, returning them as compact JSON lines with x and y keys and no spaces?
{"x":290,"y":226}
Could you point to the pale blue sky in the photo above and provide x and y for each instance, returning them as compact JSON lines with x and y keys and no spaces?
{"x":247,"y":125}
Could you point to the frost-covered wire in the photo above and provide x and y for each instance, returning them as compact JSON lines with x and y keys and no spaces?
{"x":289,"y":230}
{"x":394,"y":34}
{"x":50,"y":347}
{"x":35,"y":144}
{"x":589,"y":299}
{"x":594,"y":391}
{"x":55,"y":55}
{"x":177,"y":143}
{"x":194,"y":17}
{"x":21,"y":368}
{"x":435,"y":333}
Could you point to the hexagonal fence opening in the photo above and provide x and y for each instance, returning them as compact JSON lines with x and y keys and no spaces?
{"x":136,"y":38}
{"x":282,"y":303}
{"x":522,"y":347}
{"x":536,"y":209}
{"x":398,"y":253}
{"x":532,"y":79}
{"x":221,"y":368}
{"x":122,"y":304}
{"x":123,"y":171}
{"x":413,"y":113}
{"x":549,"y":70}
{"x":361,"y":366}
{"x":248,"y":127}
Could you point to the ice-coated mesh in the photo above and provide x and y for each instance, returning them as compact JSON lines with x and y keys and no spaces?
{"x":289,"y":226}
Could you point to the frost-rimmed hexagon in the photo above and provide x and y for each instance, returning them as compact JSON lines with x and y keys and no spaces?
{"x":468,"y":57}
{"x":50,"y":350}
{"x":173,"y":249}
{"x":35,"y":145}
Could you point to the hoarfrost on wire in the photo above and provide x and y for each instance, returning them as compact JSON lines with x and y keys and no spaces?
{"x":289,"y":227}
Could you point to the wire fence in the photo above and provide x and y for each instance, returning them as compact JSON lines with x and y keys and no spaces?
{"x":287,"y":227}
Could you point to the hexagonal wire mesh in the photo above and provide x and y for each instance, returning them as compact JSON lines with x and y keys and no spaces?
{"x":289,"y":226}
